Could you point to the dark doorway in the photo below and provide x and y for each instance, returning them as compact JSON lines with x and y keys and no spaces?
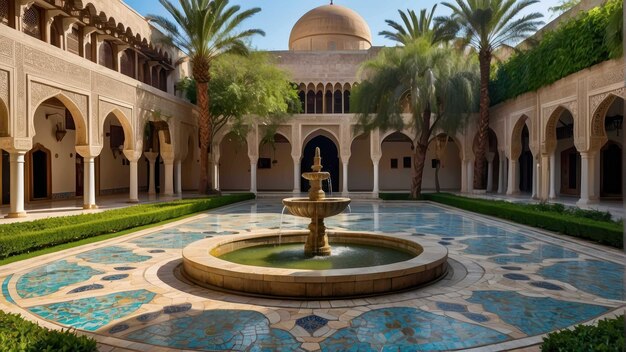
{"x":526,"y":163}
{"x":6,"y":178}
{"x":611,"y":170}
{"x":157,"y":174}
{"x":330,"y":162}
{"x":570,"y":171}
{"x":40,"y":174}
{"x":80,"y":176}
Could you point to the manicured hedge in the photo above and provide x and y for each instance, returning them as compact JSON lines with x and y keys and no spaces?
{"x":25,"y":237}
{"x":605,"y":232}
{"x":574,"y":45}
{"x":608,"y":336}
{"x":19,"y":335}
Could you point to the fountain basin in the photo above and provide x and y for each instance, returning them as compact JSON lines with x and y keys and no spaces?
{"x":323,"y":208}
{"x":202,"y":266}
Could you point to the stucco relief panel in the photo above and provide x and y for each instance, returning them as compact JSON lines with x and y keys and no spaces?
{"x":608,"y":78}
{"x":599,"y":104}
{"x":6,"y":50}
{"x":4,"y":87}
{"x":109,"y":87}
{"x":20,"y":113}
{"x":44,"y":64}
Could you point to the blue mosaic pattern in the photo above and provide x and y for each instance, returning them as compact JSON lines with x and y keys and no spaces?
{"x":113,"y":255}
{"x":535,"y":315}
{"x":52,"y":277}
{"x":115,"y":277}
{"x":545,"y":251}
{"x":5,"y":289}
{"x":491,"y":245}
{"x":408,"y":329}
{"x":146,"y":317}
{"x":86,"y":288}
{"x":603,"y":279}
{"x":177,"y":309}
{"x":516,"y":277}
{"x":311,"y":323}
{"x":459,"y":308}
{"x":124,"y":268}
{"x":218,"y":330}
{"x":547,"y":285}
{"x":171,"y":240}
{"x":118,"y":328}
{"x":95,"y":312}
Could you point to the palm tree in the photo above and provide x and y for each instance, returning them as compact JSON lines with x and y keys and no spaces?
{"x":414,"y":27}
{"x":203,"y":30}
{"x":438,"y":84}
{"x":485,"y":26}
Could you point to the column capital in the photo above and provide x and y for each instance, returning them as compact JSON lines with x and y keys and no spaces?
{"x":132,"y":155}
{"x":14,"y":145}
{"x":88,"y":151}
{"x":151,"y":156}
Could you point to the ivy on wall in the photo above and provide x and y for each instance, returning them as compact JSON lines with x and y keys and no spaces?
{"x":575,"y":45}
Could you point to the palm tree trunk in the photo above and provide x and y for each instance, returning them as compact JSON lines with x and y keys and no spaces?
{"x":419,"y":158}
{"x":483,"y":122}
{"x":205,"y":136}
{"x":437,"y":187}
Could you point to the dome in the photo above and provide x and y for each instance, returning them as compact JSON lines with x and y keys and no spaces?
{"x":330,"y":27}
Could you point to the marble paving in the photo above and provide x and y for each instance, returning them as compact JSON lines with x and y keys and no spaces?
{"x":508,"y":286}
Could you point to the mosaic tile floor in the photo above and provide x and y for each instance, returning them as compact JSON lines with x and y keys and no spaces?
{"x":509,"y":285}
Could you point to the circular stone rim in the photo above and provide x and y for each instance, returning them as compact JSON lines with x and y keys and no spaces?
{"x":204,"y":269}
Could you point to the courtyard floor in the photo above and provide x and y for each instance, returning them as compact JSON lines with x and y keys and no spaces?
{"x":508,"y":285}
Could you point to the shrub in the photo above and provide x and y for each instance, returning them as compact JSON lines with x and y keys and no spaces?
{"x":574,"y":45}
{"x":17,"y":334}
{"x":25,"y":237}
{"x":605,"y":232}
{"x":607,"y":336}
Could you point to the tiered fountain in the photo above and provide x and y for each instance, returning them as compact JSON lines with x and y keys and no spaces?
{"x":288,"y":264}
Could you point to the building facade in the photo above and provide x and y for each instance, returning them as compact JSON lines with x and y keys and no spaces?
{"x":88,"y":107}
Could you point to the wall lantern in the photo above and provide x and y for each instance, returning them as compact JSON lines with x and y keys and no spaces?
{"x":60,"y":130}
{"x":117,"y":151}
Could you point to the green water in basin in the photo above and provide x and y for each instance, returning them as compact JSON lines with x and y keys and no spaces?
{"x":291,"y":256}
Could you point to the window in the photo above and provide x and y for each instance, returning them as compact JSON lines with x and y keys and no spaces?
{"x":310,"y":102}
{"x":32,"y":22}
{"x":329,"y":102}
{"x":406,"y":162}
{"x":302,"y":101}
{"x":394,"y":163}
{"x":337,"y":102}
{"x":73,"y":40}
{"x":155,"y":77}
{"x":55,"y":37}
{"x":163,"y":80}
{"x":264,"y":163}
{"x":346,"y":102}
{"x":4,"y":12}
{"x":105,"y":56}
{"x":319,"y":103}
{"x":127,"y":63}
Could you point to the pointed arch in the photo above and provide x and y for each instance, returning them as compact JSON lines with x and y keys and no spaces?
{"x":125,"y":121}
{"x":73,"y":107}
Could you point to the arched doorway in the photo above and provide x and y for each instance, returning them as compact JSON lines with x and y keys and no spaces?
{"x":40,"y":173}
{"x":234,"y":164}
{"x":444,"y":151}
{"x":611,"y":168}
{"x":568,"y":163}
{"x":330,"y":162}
{"x":275,"y":166}
{"x":360,"y":167}
{"x":114,"y":168}
{"x":5,"y":165}
{"x":525,"y":163}
{"x":395,"y":165}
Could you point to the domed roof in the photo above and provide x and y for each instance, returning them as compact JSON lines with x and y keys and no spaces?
{"x":338,"y":27}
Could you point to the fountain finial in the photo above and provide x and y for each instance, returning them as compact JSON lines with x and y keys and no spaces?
{"x":317,"y":161}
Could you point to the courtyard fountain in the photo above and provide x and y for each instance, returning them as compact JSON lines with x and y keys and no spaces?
{"x":300,"y":264}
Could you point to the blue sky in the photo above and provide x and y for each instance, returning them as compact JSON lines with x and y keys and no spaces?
{"x":278,"y":16}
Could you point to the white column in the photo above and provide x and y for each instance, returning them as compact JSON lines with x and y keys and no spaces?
{"x":178,"y":184}
{"x":17,"y":185}
{"x":490,"y":157}
{"x":216,"y":176}
{"x":152,"y":157}
{"x":344,"y":189}
{"x":133,"y":192}
{"x":513,"y":187}
{"x":253,"y":166}
{"x":376,"y":189}
{"x":464,"y":176}
{"x":296,"y":174}
{"x":589,"y":180}
{"x":90,"y":183}
{"x":470,"y":176}
{"x":553,"y":175}
{"x":169,"y":177}
{"x":501,"y":173}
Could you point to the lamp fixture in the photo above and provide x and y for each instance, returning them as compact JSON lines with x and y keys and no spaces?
{"x":60,"y":132}
{"x":617,"y":123}
{"x":117,"y":151}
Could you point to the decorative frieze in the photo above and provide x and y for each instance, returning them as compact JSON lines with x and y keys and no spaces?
{"x":6,"y":50}
{"x":607,"y":78}
{"x":109,"y":87}
{"x":4,"y":88}
{"x":44,"y":64}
